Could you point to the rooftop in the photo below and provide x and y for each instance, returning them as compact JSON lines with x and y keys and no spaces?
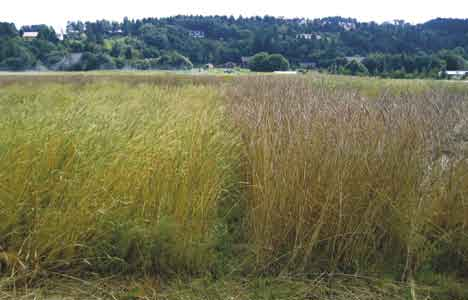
{"x":30,"y":34}
{"x":459,"y":72}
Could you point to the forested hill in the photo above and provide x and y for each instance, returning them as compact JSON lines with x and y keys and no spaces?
{"x":389,"y":49}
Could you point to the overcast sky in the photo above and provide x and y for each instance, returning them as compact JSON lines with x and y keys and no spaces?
{"x":57,"y":12}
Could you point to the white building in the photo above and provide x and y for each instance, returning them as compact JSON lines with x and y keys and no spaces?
{"x":285,"y":72}
{"x":197,"y":34}
{"x":307,"y":65}
{"x":456,"y":74}
{"x":30,"y":35}
{"x":347,"y":25}
{"x":305,"y":36}
{"x":308,"y":36}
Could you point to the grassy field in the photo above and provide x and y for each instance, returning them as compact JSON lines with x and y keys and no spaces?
{"x":163,"y":186}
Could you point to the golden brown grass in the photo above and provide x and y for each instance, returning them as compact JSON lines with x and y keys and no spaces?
{"x":342,"y":181}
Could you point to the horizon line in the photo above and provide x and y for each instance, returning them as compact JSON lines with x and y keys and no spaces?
{"x":133,"y":18}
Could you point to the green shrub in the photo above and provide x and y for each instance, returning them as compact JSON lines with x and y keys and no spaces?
{"x":174,"y":60}
{"x":264,"y":62}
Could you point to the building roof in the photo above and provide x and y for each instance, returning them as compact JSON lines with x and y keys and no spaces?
{"x":197,"y":33}
{"x":305,"y":36}
{"x":285,"y":72}
{"x":461,"y":73}
{"x":30,"y":34}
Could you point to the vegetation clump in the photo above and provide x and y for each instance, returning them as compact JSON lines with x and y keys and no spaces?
{"x":264,"y":62}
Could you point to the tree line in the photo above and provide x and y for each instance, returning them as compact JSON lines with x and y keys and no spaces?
{"x":335,"y":44}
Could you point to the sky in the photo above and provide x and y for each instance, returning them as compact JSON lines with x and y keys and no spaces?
{"x":58,"y":12}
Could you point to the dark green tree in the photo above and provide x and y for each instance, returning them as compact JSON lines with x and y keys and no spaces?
{"x":174,"y":60}
{"x":278,"y":62}
{"x":356,"y":68}
{"x":259,"y":62}
{"x":7,"y":30}
{"x":48,"y":34}
{"x":453,"y":61}
{"x":264,"y":62}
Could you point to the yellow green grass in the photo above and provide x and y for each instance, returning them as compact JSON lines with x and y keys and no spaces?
{"x":112,"y":177}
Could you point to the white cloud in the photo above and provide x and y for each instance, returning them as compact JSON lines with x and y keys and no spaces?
{"x":56,"y":12}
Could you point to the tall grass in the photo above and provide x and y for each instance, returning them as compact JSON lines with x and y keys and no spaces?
{"x":291,"y":174}
{"x":111,"y":178}
{"x":343,"y":182}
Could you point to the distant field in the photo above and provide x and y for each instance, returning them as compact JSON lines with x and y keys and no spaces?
{"x":248,"y":187}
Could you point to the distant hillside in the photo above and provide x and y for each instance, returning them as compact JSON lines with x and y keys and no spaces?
{"x":390,"y":49}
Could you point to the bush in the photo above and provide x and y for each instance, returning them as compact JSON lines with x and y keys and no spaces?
{"x":168,"y":61}
{"x":54,"y":58}
{"x":106,"y":62}
{"x":259,"y":63}
{"x":355,"y":68}
{"x":88,"y":61}
{"x":17,"y":63}
{"x":278,"y":62}
{"x":22,"y":59}
{"x":263,"y":62}
{"x":140,"y":64}
{"x":174,"y":60}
